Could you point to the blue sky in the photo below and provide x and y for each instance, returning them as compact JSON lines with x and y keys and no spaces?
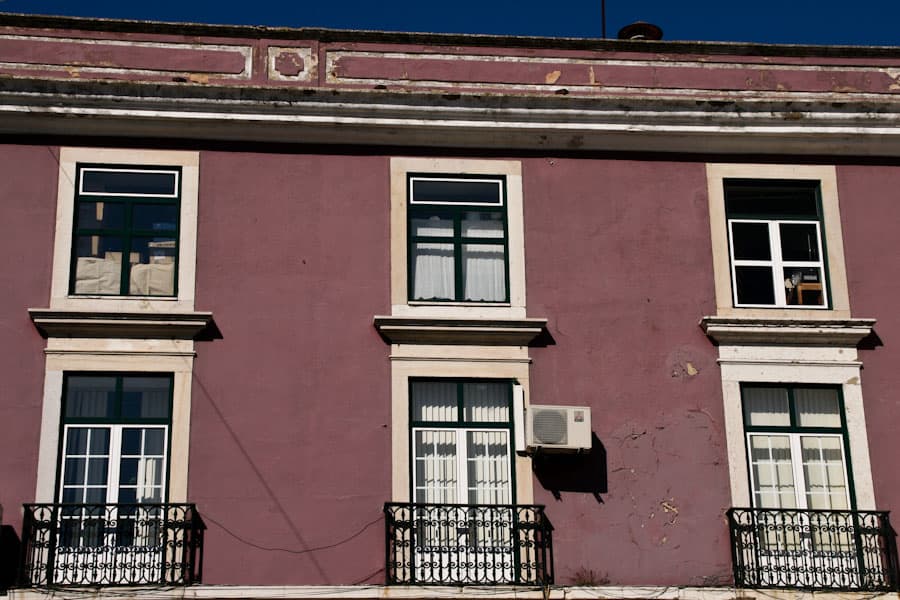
{"x":861,"y":22}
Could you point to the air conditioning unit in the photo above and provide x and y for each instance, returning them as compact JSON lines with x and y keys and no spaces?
{"x":558,"y":428}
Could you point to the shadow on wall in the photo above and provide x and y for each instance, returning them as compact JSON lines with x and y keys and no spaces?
{"x":583,"y":473}
{"x":10,"y":547}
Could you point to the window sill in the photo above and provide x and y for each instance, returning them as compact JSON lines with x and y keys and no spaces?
{"x":459,"y":310}
{"x":471,"y":331}
{"x":806,"y":313}
{"x":779,"y":330}
{"x":140,"y":325}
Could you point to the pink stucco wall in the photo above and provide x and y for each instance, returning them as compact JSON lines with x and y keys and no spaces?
{"x":290,"y":425}
{"x":28,"y":207}
{"x":290,"y":431}
{"x":868,"y":197}
{"x":618,"y":259}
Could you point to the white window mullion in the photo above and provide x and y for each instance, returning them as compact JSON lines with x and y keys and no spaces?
{"x":799,"y":476}
{"x":777,"y":263}
{"x":462,"y":464}
{"x":115,"y":457}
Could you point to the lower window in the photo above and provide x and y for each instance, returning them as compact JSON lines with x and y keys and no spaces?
{"x":112,"y":478}
{"x":803,"y":529}
{"x":797,"y":447}
{"x":462,"y":481}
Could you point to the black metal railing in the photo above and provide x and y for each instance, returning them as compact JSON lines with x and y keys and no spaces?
{"x":458,"y":544}
{"x":111,"y":544}
{"x":813,"y":549}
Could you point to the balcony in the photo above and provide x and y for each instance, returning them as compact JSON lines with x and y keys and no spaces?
{"x":473,"y":544}
{"x":837,"y":550}
{"x":111,"y":544}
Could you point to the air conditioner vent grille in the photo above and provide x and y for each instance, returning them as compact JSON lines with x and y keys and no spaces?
{"x":550,"y":427}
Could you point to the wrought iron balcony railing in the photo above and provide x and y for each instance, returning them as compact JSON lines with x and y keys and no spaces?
{"x":813,"y":549}
{"x":457,"y":544}
{"x":111,"y":544}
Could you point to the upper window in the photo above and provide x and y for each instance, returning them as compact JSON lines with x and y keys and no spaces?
{"x":458,"y":238}
{"x":125,"y":239}
{"x":777,"y":242}
{"x":126,"y":230}
{"x":775,"y":234}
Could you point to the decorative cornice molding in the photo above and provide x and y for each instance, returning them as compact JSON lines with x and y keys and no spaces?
{"x":787,"y":332}
{"x":476,"y":332}
{"x":71,"y":323}
{"x":727,"y":122}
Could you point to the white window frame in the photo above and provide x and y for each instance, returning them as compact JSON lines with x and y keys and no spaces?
{"x":777,"y":264}
{"x":401,"y":167}
{"x":830,"y":236}
{"x":69,"y":158}
{"x":462,"y":459}
{"x":797,"y":465}
{"x":81,"y":191}
{"x":114,"y":457}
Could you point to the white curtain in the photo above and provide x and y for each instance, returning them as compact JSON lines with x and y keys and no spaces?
{"x":435,"y":464}
{"x":488,"y":467}
{"x":773,"y":474}
{"x":766,"y":407}
{"x":434,"y":401}
{"x":823,"y":468}
{"x":486,"y":402}
{"x":817,"y":407}
{"x":484,"y":272}
{"x":433,"y":275}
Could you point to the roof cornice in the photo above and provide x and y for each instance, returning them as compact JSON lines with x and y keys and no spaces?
{"x":441,"y":39}
{"x":857,"y":125}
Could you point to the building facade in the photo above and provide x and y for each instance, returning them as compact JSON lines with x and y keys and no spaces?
{"x":282,"y":308}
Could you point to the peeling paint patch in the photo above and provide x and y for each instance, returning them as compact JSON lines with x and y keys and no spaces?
{"x":853,"y":381}
{"x":198,"y":78}
{"x":669,"y":508}
{"x":552,"y":77}
{"x":690,"y":369}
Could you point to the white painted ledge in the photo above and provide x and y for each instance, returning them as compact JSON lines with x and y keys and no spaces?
{"x":142,"y":325}
{"x":791,"y":332}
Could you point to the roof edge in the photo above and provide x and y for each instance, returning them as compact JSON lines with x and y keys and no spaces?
{"x":506,"y":41}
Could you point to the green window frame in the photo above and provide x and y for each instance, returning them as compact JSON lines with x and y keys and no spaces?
{"x":776,"y":244}
{"x":462,"y":424}
{"x":794,"y":429}
{"x":126,"y":230}
{"x":460,"y":219}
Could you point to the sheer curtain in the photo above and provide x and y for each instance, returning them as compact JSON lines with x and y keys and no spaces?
{"x":484,"y":272}
{"x":433,"y":274}
{"x":435,"y":463}
{"x":488,"y":467}
{"x":766,"y":407}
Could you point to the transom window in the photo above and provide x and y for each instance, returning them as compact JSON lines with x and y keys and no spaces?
{"x":461,"y":432}
{"x":775,"y":243}
{"x":458,"y":238}
{"x":126,"y":224}
{"x":796,"y":446}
